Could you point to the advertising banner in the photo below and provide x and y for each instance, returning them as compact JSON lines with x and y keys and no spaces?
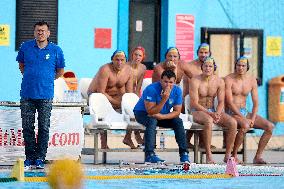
{"x":66,"y":134}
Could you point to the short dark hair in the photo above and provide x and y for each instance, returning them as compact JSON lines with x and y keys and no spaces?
{"x":169,"y":74}
{"x":41,"y":23}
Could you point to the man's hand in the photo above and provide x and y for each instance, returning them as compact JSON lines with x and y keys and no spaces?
{"x":171,"y":65}
{"x":157,"y":116}
{"x":216,"y":116}
{"x":166,"y":93}
{"x":251,"y":122}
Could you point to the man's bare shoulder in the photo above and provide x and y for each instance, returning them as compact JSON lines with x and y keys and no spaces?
{"x":142,"y":67}
{"x":159,"y":67}
{"x":219,"y":80}
{"x":105,"y":67}
{"x":229,"y":77}
{"x":104,"y":70}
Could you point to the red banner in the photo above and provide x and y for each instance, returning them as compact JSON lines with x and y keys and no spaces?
{"x":185,"y":36}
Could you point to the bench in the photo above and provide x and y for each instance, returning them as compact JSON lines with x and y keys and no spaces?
{"x":104,"y":122}
{"x":197,"y":157}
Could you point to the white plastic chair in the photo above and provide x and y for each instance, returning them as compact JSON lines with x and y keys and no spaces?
{"x":59,"y":87}
{"x":102,"y":113}
{"x":83,"y":87}
{"x":145,"y":83}
{"x":128,"y":103}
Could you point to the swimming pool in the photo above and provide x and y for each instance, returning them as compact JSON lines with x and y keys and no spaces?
{"x":242,"y":182}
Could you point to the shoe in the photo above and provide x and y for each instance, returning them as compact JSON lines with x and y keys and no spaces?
{"x":153,"y":158}
{"x":184,"y":158}
{"x":39,"y":164}
{"x":28,"y":164}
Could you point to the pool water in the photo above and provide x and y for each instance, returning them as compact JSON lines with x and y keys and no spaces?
{"x":242,"y":182}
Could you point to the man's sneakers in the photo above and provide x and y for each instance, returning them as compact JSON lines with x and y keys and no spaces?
{"x":30,"y":164}
{"x":153,"y":158}
{"x":184,"y":158}
{"x":39,"y":163}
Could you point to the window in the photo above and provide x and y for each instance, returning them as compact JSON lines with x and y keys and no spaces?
{"x":28,"y":12}
{"x":227,"y":45}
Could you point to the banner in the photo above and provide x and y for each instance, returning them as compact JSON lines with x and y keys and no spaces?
{"x":185,"y":36}
{"x":66,"y":134}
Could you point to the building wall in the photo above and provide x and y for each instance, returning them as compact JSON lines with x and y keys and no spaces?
{"x":10,"y":76}
{"x":78,"y":19}
{"x":266,"y":15}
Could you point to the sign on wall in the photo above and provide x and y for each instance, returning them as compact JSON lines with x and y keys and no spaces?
{"x":273,"y":46}
{"x":103,"y":38}
{"x":4,"y":35}
{"x":185,"y":36}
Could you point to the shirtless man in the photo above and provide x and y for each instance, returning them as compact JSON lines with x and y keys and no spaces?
{"x":192,"y":69}
{"x":238,"y":85}
{"x":172,"y":62}
{"x":138,"y":72}
{"x":204,"y":88}
{"x":113,"y":80}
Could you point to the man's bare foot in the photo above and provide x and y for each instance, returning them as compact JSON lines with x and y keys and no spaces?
{"x":129,"y":143}
{"x":138,"y":138}
{"x":210,"y":161}
{"x":226,"y":158}
{"x":259,"y":161}
{"x":238,"y":161}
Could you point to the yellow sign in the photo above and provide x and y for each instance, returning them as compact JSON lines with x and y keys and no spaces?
{"x":273,"y":46}
{"x":4,"y":35}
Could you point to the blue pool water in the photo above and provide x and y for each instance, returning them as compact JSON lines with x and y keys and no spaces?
{"x":243,"y":182}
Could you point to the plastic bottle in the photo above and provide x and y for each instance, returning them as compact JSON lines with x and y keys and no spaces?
{"x":162,"y":141}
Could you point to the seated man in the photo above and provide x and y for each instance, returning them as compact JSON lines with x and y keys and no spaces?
{"x":238,"y":85}
{"x":204,"y":88}
{"x":192,"y":69}
{"x":138,"y":72}
{"x":173,"y":63}
{"x":153,"y":109}
{"x":113,"y":80}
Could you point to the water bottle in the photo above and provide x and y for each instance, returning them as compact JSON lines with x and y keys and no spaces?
{"x":162,"y":141}
{"x":282,"y":96}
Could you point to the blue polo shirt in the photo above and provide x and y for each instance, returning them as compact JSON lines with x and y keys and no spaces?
{"x":39,"y":69}
{"x":152,"y":93}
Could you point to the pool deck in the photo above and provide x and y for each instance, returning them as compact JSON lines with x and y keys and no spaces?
{"x":274,"y":152}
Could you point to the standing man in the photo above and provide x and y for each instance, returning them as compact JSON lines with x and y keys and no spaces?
{"x":154,"y":108}
{"x":40,"y":62}
{"x":238,"y":85}
{"x":113,"y":80}
{"x":204,"y":88}
{"x":138,"y":72}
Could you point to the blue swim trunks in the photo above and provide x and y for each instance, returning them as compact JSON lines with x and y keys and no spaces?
{"x":243,"y":111}
{"x":209,"y":110}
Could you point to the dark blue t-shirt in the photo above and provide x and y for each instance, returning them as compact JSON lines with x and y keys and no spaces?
{"x":39,"y":69}
{"x":152,"y":93}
